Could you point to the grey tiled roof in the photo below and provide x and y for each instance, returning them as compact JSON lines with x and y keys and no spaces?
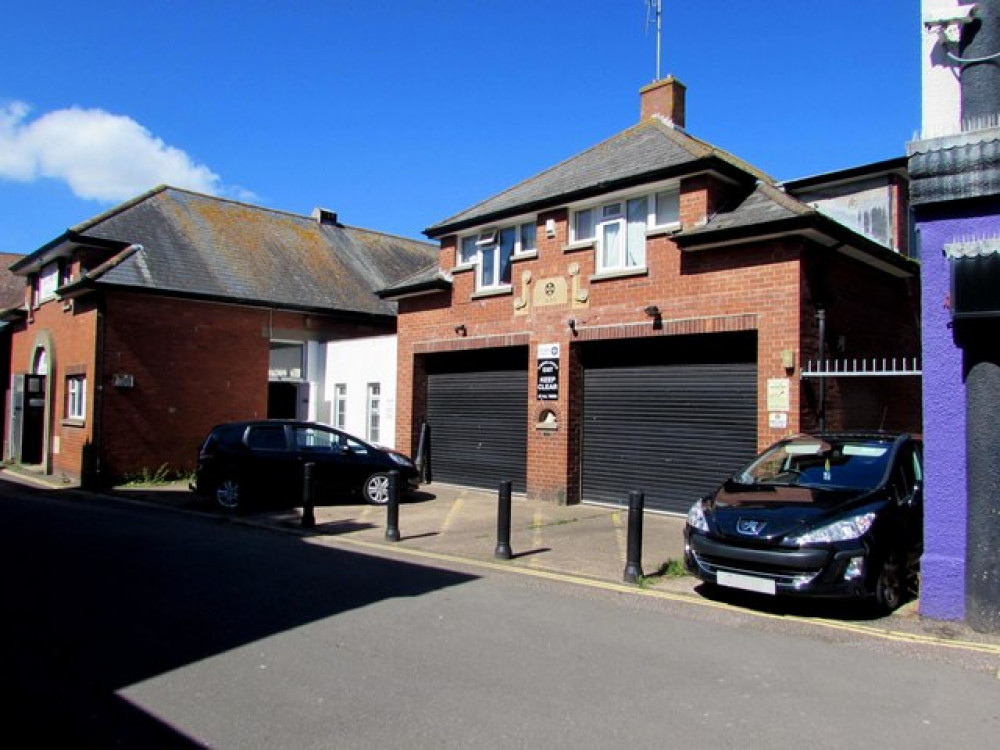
{"x":954,"y":167}
{"x":650,"y":149}
{"x":209,"y":247}
{"x":765,"y":205}
{"x":426,"y":279}
{"x":11,"y":285}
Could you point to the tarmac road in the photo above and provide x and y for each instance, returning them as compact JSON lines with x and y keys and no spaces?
{"x":134,"y":625}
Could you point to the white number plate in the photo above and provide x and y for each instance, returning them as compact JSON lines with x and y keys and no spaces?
{"x":746,"y":583}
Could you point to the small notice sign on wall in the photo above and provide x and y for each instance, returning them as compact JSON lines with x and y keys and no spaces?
{"x":548,"y":372}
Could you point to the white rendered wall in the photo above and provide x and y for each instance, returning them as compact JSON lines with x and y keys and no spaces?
{"x":356,"y":363}
{"x":941,"y":102}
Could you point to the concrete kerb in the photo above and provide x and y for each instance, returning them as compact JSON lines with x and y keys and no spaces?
{"x":581,"y":545}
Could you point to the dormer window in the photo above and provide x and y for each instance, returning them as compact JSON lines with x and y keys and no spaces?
{"x":47,"y":282}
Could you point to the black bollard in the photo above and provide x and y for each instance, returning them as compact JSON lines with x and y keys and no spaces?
{"x":502,"y":551}
{"x":392,"y":509}
{"x":308,"y":516}
{"x":633,"y":562}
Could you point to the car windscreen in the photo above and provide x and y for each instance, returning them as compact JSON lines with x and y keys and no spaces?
{"x":840,"y":464}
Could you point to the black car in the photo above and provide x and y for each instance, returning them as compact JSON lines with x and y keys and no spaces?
{"x":242,"y":461}
{"x":837,"y":515}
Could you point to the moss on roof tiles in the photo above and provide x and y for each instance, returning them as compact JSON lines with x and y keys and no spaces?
{"x":202,"y":245}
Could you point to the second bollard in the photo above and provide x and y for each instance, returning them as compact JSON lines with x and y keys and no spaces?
{"x":503,"y":551}
{"x":308,"y":500}
{"x":392,"y":508}
{"x":633,"y":562}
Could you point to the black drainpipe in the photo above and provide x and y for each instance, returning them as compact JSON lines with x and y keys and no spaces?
{"x":821,"y":319}
{"x":95,"y":467}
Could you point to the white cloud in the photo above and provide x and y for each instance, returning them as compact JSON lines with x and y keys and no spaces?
{"x":100,"y":156}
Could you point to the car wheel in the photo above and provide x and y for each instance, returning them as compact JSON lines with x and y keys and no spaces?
{"x":890,"y":586}
{"x":376,"y":489}
{"x":228,"y":493}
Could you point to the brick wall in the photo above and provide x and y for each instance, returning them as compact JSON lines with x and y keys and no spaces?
{"x":66,"y":330}
{"x":751,"y":288}
{"x":193,"y":365}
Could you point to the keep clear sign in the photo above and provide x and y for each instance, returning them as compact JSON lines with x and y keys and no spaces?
{"x":548,"y":372}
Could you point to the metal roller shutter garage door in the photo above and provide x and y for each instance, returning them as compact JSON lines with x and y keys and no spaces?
{"x":673,"y":432}
{"x":479,"y":427}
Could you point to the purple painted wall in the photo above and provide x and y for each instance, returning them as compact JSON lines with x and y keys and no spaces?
{"x":942,"y":580}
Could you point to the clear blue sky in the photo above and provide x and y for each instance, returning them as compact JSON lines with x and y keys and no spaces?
{"x":398,"y":114}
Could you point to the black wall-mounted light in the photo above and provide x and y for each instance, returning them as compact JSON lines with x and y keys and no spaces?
{"x":652,"y":311}
{"x":460,"y":329}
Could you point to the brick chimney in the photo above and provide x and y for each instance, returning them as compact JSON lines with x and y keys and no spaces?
{"x":664,"y":98}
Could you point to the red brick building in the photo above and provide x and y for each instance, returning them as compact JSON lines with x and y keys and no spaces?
{"x":145,"y":326}
{"x":639,"y":317}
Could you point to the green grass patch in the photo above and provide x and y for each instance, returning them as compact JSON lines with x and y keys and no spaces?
{"x":157,"y":477}
{"x":669,"y":569}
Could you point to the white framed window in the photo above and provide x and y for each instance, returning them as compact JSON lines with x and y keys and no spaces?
{"x":374,"y":411}
{"x":47,"y":282}
{"x":583,"y":225}
{"x":468,"y":250}
{"x":491,"y":252}
{"x":76,"y":397}
{"x":667,"y":207}
{"x":340,"y":405}
{"x":527,"y":239}
{"x":618,"y":228}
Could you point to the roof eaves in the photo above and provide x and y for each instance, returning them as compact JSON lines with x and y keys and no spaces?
{"x":13,"y":314}
{"x":895,"y":166}
{"x":328,"y":312}
{"x":708,"y":163}
{"x":419,"y":284}
{"x":52,"y":249}
{"x":88,"y":279}
{"x":806,"y":224}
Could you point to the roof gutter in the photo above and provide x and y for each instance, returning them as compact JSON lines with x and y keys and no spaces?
{"x":842,"y":239}
{"x":49,"y":252}
{"x":416,"y":289}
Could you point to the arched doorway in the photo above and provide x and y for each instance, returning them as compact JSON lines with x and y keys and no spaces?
{"x":35,"y":391}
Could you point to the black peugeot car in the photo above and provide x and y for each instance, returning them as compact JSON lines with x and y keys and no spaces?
{"x":243,"y":461}
{"x":837,"y":515}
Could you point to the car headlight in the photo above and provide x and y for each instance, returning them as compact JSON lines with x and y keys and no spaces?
{"x":401,"y":460}
{"x":843,"y":530}
{"x":696,"y":518}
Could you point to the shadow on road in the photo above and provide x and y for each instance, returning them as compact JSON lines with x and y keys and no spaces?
{"x":100,"y":596}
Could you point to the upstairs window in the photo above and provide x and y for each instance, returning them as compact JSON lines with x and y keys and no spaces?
{"x":667,"y":204}
{"x":492,"y":251}
{"x":618,"y":228}
{"x":46,"y":282}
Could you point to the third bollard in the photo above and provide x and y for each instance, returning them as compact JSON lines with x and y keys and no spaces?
{"x":633,"y":562}
{"x":308,"y":516}
{"x":392,"y":508}
{"x":502,"y":551}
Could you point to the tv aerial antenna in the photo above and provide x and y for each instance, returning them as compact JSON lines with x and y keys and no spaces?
{"x":654,"y":14}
